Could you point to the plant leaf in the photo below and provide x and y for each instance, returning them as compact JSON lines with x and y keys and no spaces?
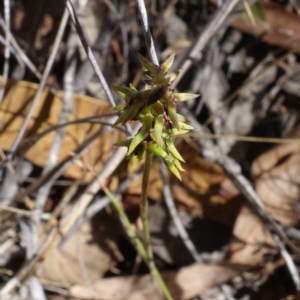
{"x":175,"y":132}
{"x":132,"y":160}
{"x":185,"y":96}
{"x":147,"y":65}
{"x":146,"y":118}
{"x":124,"y":91}
{"x":156,"y":132}
{"x":173,"y":150}
{"x":137,"y":140}
{"x":124,"y":143}
{"x":185,"y":126}
{"x":173,"y":114}
{"x":178,"y":165}
{"x":167,"y":64}
{"x":171,"y":166}
{"x":157,"y":150}
{"x":156,"y":93}
{"x":157,"y":108}
{"x":119,"y":107}
{"x":132,"y":87}
{"x":141,"y":150}
{"x":129,"y":113}
{"x":172,"y":76}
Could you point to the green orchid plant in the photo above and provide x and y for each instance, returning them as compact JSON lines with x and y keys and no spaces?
{"x":156,"y":108}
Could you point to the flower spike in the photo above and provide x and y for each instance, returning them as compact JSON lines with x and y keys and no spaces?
{"x":156,"y":108}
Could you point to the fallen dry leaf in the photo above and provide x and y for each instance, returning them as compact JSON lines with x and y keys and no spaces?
{"x":86,"y":255}
{"x":186,"y":283}
{"x":252,"y":240}
{"x":15,"y":106}
{"x":279,"y":27}
{"x":277,"y":181}
{"x":199,"y":191}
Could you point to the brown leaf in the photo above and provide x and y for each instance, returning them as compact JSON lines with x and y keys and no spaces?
{"x":277,"y":181}
{"x":186,"y":283}
{"x":199,"y":191}
{"x":15,"y":106}
{"x":280,"y":27}
{"x":93,"y":248}
{"x":252,"y":240}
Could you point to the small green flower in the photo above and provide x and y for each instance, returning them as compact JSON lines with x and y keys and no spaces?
{"x":156,"y":109}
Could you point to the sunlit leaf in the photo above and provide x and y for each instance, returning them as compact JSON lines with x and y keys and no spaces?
{"x":172,"y":76}
{"x":171,"y":166}
{"x":156,"y":133}
{"x":185,"y":96}
{"x":173,"y":114}
{"x":124,"y":143}
{"x":119,"y":107}
{"x":157,"y":150}
{"x":137,"y":140}
{"x":173,"y":150}
{"x":168,"y":63}
{"x":147,"y":65}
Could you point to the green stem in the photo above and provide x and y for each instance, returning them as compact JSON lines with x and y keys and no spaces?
{"x":144,"y":204}
{"x":137,"y":242}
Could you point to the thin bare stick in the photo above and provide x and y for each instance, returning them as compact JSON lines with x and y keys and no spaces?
{"x":33,"y":139}
{"x":98,"y":204}
{"x":60,"y":168}
{"x":147,"y":33}
{"x":288,"y":261}
{"x":242,"y":138}
{"x":124,"y":33}
{"x":212,"y":153}
{"x":13,"y":51}
{"x":89,"y":52}
{"x":175,"y":216}
{"x":7,"y":48}
{"x":70,"y":69}
{"x":21,"y":53}
{"x":55,"y":235}
{"x":206,"y":35}
{"x":91,"y":190}
{"x":253,"y":78}
{"x":179,"y":226}
{"x":39,"y":91}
